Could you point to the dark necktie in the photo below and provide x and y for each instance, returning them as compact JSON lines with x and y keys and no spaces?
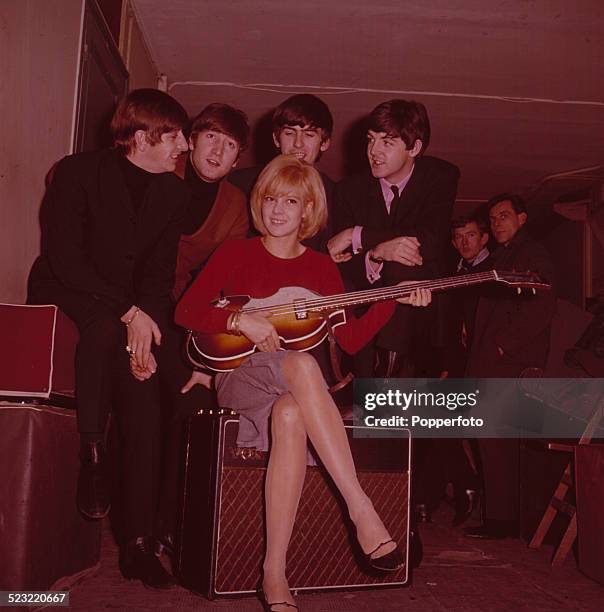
{"x":394,"y":203}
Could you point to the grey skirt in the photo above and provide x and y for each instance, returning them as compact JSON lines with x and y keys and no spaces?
{"x":251,"y":390}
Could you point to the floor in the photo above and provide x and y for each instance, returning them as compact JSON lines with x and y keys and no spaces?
{"x":457,"y":574}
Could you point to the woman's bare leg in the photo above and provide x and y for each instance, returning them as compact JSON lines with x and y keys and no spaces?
{"x":325,"y":429}
{"x":284,"y":481}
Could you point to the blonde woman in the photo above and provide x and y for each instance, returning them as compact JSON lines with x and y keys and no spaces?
{"x":286,"y":387}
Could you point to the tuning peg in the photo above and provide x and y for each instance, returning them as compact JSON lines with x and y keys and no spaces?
{"x":519,"y":290}
{"x":534,"y":291}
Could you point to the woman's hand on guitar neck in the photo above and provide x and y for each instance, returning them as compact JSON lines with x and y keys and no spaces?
{"x":259,"y":330}
{"x":419,"y":297}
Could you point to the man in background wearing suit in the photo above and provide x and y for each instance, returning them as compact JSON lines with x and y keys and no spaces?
{"x":392,"y":223}
{"x":511,"y":334}
{"x":469,"y":236}
{"x":449,"y":458}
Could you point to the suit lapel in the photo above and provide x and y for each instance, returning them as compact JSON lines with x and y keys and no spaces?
{"x":410,"y":199}
{"x":376,"y":212}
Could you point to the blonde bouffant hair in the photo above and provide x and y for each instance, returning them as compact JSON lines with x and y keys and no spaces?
{"x":281,"y":176}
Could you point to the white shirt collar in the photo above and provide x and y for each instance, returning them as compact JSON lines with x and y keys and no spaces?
{"x":482,"y":255}
{"x":387,"y":186}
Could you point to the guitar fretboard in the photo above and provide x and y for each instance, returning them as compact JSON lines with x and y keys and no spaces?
{"x":367,"y":296}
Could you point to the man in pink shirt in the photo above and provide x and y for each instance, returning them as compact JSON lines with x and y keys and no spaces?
{"x":392,"y":224}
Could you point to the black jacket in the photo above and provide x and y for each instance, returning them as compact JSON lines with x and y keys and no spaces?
{"x":424,"y":211}
{"x":519,"y":324}
{"x":459,"y":313}
{"x":94,"y":241}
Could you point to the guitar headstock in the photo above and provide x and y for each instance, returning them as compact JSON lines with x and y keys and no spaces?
{"x":521,"y":280}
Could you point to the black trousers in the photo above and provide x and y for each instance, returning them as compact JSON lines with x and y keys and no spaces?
{"x":501,"y":466}
{"x":444,"y":461}
{"x":177,"y":408}
{"x":105,"y":385}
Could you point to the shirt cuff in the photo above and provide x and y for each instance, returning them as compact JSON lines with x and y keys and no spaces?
{"x":373,"y":273}
{"x":357,"y":245}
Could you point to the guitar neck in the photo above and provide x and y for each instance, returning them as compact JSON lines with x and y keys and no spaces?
{"x":519,"y":280}
{"x":369,"y":296}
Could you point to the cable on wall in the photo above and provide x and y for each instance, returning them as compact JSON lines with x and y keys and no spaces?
{"x":329,"y":90}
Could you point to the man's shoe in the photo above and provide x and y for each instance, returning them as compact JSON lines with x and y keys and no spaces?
{"x":465,"y":503}
{"x":139,"y":562}
{"x":416,"y":548}
{"x":165,"y":545}
{"x":422,"y":513}
{"x":93,"y":496}
{"x":494,"y":530}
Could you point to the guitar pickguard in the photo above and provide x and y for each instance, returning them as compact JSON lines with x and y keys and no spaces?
{"x":286,"y":295}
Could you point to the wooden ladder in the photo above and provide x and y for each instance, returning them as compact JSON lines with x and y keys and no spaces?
{"x":557,"y":503}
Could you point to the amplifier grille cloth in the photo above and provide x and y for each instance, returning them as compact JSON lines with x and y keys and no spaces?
{"x":322,"y":550}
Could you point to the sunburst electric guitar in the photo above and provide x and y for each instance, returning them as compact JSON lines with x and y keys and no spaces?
{"x":300,"y":315}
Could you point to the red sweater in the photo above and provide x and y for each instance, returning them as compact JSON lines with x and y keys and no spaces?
{"x":245,"y":267}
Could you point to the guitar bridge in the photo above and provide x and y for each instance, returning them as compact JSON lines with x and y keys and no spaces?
{"x":300,"y":309}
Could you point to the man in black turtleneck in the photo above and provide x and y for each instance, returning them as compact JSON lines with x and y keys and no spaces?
{"x":218,"y":210}
{"x":111,"y":223}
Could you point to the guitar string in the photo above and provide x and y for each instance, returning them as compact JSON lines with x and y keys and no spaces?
{"x":359,"y":297}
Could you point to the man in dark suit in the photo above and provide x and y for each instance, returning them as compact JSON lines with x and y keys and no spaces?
{"x":302,"y":126}
{"x":111,"y":223}
{"x":448,"y":459}
{"x":469,"y":236}
{"x":394,"y":219}
{"x":511,"y":335}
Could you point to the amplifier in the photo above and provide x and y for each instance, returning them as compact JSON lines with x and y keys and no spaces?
{"x":38,"y":352}
{"x":43,"y":537}
{"x":221,"y":533}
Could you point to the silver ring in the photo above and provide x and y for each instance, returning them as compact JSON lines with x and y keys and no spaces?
{"x":129,"y":350}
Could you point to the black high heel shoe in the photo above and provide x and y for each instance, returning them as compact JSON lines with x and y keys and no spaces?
{"x":268,"y":607}
{"x":390,"y":562}
{"x":465,"y":505}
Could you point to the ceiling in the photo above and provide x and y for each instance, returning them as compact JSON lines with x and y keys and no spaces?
{"x":514,"y":88}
